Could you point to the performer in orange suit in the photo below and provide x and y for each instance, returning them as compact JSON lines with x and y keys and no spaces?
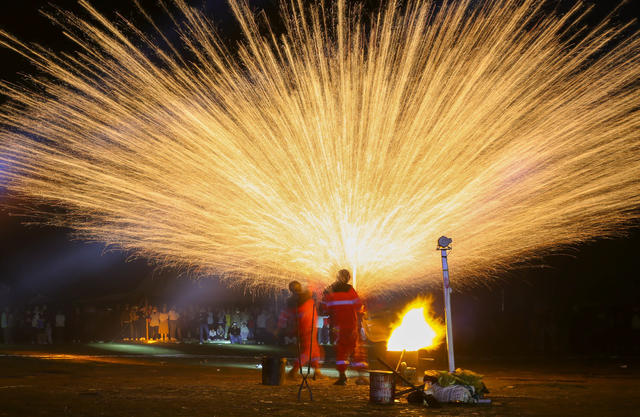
{"x":345,"y":313}
{"x":301,"y":311}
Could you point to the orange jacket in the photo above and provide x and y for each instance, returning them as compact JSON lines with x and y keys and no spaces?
{"x":301,"y":311}
{"x":342,"y":303}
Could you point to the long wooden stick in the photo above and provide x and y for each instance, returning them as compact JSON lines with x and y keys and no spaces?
{"x":400,"y":360}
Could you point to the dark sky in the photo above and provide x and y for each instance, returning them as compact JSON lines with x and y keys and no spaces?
{"x":35,"y":259}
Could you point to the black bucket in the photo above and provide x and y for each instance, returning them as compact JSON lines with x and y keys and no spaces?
{"x":410,"y":375}
{"x":273,"y":370}
{"x":382,"y":387}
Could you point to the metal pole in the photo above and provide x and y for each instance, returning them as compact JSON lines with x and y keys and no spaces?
{"x":443,"y":246}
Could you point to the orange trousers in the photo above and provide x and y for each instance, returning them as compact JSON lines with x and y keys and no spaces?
{"x":349,"y":346}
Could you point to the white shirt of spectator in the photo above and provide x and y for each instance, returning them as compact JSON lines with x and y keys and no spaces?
{"x":244,"y":332}
{"x":173,"y":315}
{"x":35,"y":319}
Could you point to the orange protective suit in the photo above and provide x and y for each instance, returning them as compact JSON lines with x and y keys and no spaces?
{"x":345,"y":310}
{"x":302,"y":313}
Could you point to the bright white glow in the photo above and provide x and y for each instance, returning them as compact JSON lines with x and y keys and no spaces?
{"x":413,"y":333}
{"x":417,"y":328}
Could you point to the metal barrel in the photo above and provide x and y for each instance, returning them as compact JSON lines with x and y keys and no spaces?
{"x":273,"y":370}
{"x":382,"y":387}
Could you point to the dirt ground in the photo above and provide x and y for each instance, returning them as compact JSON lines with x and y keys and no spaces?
{"x":191,"y":380}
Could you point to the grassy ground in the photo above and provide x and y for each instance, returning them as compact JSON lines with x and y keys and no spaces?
{"x":188,"y":380}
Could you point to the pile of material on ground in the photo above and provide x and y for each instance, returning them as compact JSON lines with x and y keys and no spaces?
{"x":461,"y":386}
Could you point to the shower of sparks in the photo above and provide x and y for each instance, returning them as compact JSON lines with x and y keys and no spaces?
{"x":350,"y":141}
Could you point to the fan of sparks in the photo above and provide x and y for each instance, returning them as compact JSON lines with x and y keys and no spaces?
{"x":349,"y":140}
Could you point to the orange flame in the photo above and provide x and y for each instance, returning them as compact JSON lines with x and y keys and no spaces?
{"x":417,"y":329}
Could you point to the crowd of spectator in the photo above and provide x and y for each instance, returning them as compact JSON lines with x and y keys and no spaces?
{"x":146,"y":322}
{"x":197,"y":323}
{"x":581,"y":332}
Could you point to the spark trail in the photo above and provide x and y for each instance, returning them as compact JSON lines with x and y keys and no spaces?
{"x":350,"y":140}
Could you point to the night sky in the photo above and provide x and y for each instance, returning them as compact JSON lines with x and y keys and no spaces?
{"x":601,"y":276}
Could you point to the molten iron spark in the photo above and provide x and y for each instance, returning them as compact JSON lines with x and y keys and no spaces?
{"x":350,"y":141}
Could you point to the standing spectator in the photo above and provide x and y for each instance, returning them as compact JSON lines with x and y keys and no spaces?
{"x":60,"y":326}
{"x":154,"y":323}
{"x":30,"y":332}
{"x":319,"y":327}
{"x":203,"y":326}
{"x":210,"y":319}
{"x":125,"y":319}
{"x":78,"y":328}
{"x":47,"y":318}
{"x":12,"y":327}
{"x":271,"y":336}
{"x":133,"y":318}
{"x":234,"y":333}
{"x":325,"y":332}
{"x":285,"y":329}
{"x":244,"y":333}
{"x":37,"y":324}
{"x":236,"y":316}
{"x":141,"y":323}
{"x":163,"y":329}
{"x":5,"y":322}
{"x":180,"y":324}
{"x":227,"y":320}
{"x":221,"y":319}
{"x":251,"y":325}
{"x":191,"y":322}
{"x":244,"y":317}
{"x":173,"y":324}
{"x":148,"y":310}
{"x":89,"y":323}
{"x":261,"y":327}
{"x":23,"y":327}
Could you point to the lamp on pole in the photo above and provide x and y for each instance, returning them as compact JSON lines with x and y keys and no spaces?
{"x":444,"y":245}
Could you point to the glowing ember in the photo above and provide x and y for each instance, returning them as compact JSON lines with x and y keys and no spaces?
{"x":416,"y":330}
{"x":346,"y":142}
